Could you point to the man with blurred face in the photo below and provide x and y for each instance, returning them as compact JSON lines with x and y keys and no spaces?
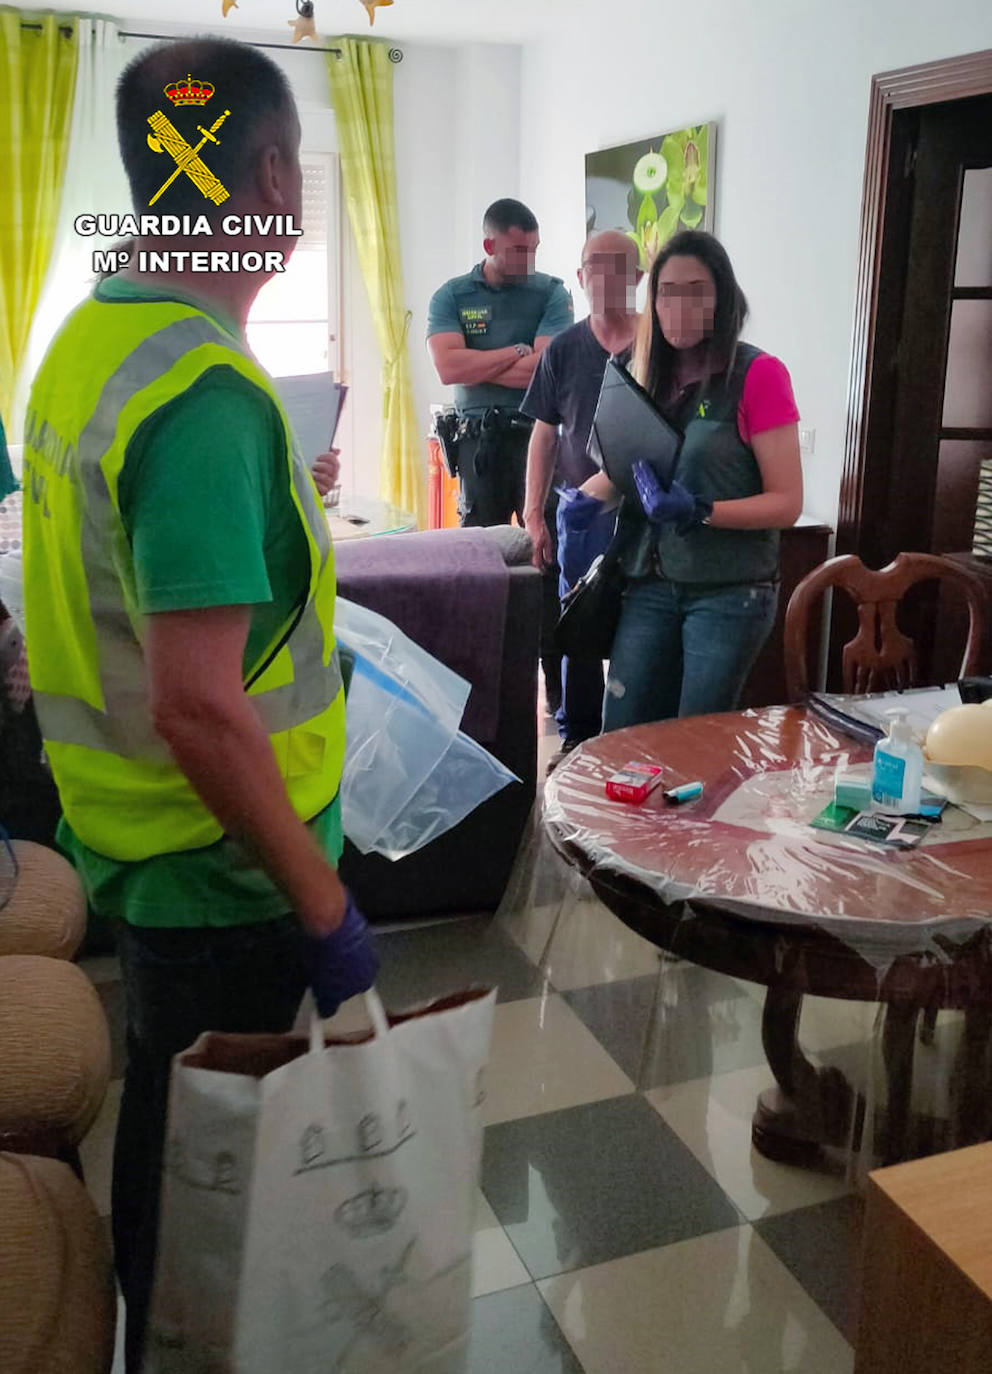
{"x":561,"y":400}
{"x":486,"y":332}
{"x":179,"y":602}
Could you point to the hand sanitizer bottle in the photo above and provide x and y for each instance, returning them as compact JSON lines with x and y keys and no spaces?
{"x":897,"y":775}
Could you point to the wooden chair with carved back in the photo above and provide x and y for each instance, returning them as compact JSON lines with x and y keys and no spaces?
{"x":880,"y":657}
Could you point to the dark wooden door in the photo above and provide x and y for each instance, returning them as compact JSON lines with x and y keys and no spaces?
{"x":943,"y":385}
{"x":927,"y":480}
{"x":943,"y":403}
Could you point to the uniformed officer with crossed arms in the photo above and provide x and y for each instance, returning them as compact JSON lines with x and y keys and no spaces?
{"x":486,"y":331}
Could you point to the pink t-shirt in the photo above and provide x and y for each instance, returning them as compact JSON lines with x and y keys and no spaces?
{"x":767,"y":400}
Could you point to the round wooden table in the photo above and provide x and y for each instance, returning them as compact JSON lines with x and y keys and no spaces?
{"x":738,"y":881}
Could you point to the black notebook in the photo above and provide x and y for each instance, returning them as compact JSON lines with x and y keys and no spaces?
{"x":627,"y":427}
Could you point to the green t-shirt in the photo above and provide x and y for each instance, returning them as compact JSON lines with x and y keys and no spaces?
{"x":495,"y":317}
{"x":205,"y":500}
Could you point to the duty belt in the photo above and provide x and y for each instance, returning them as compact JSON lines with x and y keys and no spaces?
{"x":452,"y":427}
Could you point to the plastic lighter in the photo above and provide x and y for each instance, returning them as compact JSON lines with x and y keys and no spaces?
{"x":686,"y":791}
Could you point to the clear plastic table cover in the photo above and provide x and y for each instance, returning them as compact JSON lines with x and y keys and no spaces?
{"x":11,"y":575}
{"x":10,"y":522}
{"x":746,"y":847}
{"x":868,"y":972}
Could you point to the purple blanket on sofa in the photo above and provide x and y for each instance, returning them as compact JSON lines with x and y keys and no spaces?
{"x":447,"y":590}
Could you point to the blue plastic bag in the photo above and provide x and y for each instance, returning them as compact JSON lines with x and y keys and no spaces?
{"x":585,"y":528}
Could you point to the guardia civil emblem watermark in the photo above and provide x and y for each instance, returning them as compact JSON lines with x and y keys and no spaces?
{"x":166,"y":138}
{"x":166,"y":141}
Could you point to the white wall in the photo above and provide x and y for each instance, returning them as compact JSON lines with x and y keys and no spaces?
{"x":788,"y":82}
{"x":486,"y":115}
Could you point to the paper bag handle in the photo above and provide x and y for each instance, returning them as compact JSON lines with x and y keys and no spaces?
{"x":377,"y":1015}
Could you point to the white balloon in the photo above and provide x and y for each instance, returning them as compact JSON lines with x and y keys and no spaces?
{"x":962,"y":735}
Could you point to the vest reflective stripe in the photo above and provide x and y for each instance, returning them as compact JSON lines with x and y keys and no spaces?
{"x":124,"y":728}
{"x":124,"y":725}
{"x":121,"y":663}
{"x":314,"y":685}
{"x":295,"y":693}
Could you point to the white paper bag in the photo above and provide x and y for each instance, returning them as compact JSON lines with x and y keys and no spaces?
{"x":317,"y":1209}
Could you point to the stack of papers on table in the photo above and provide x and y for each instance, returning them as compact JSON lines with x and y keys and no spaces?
{"x":865,"y":718}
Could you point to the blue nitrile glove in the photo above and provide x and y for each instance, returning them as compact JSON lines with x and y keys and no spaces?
{"x":342,"y":964}
{"x":676,"y":506}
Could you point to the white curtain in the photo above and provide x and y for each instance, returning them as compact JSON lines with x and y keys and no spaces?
{"x":94,"y":183}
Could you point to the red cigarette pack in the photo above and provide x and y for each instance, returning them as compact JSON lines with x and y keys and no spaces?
{"x":633,"y":782}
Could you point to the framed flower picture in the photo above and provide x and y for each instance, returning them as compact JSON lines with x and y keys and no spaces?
{"x":653,"y":188}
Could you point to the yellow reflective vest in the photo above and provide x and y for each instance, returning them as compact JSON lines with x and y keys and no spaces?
{"x":110,"y":368}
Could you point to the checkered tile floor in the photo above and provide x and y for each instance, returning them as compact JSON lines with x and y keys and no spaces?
{"x":624,"y":1222}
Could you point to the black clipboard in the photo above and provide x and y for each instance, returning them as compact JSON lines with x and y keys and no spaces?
{"x":628,"y":427}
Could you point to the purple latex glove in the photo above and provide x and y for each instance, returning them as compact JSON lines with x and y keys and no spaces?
{"x":342,"y":964}
{"x":662,"y":507}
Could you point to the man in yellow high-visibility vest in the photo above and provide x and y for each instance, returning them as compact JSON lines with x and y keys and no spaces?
{"x":179,"y":587}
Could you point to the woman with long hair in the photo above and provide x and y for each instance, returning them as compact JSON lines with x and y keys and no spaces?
{"x":702,"y":558}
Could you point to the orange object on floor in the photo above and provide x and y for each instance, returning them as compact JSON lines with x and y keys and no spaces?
{"x":442,"y":490}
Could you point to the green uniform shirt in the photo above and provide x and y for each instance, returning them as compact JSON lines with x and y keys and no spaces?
{"x":495,"y":317}
{"x":205,"y":500}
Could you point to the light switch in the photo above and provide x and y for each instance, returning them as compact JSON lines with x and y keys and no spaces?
{"x":807,"y":439}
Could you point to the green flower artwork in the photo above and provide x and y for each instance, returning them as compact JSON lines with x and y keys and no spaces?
{"x":652,"y":189}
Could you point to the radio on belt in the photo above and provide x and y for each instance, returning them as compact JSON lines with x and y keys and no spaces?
{"x":633,"y":782}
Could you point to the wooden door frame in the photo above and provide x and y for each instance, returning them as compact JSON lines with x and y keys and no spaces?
{"x":868,"y":460}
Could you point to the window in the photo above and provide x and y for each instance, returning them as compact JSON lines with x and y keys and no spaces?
{"x":292,"y":328}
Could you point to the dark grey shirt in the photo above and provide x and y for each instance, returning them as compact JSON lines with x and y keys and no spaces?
{"x":564,"y":391}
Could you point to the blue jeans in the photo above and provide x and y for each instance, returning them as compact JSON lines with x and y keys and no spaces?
{"x":584,"y":529}
{"x":684,"y":649}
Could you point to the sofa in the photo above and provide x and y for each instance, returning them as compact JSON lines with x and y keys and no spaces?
{"x":473,"y":599}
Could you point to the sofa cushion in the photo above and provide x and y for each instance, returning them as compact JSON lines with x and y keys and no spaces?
{"x":513,"y":543}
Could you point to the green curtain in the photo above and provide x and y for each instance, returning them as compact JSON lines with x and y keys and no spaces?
{"x":362,"y":90}
{"x":38,"y":57}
